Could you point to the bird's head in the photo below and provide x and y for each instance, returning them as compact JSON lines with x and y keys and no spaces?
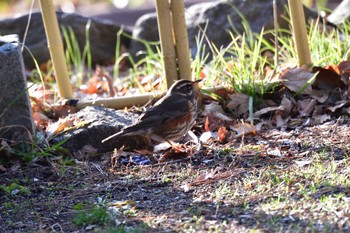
{"x":185,"y":88}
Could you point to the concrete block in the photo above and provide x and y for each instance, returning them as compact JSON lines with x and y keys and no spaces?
{"x":16,"y":122}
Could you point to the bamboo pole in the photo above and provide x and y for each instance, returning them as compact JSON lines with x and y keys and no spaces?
{"x":181,"y":39}
{"x":167,"y":40}
{"x":119,"y":102}
{"x":299,"y":32}
{"x":128,"y":101}
{"x":55,"y":45}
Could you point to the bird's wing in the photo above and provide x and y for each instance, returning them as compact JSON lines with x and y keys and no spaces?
{"x":166,"y":109}
{"x":169,"y":108}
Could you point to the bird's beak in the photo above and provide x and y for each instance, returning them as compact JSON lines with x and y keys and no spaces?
{"x":197,"y":81}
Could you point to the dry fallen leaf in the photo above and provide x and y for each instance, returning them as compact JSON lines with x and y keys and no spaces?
{"x":239,"y":102}
{"x":337,"y":105}
{"x":121,"y":203}
{"x":2,"y":168}
{"x":344,"y":71}
{"x":320,"y":95}
{"x":95,"y":85}
{"x":268,"y":109}
{"x":299,"y":78}
{"x":119,"y":207}
{"x":223,"y":134}
{"x":326,"y":79}
{"x":204,"y":176}
{"x":302,"y":163}
{"x":41,"y":120}
{"x":344,"y":67}
{"x":214,"y":109}
{"x":287,"y":105}
{"x":150,"y":82}
{"x":206,"y":136}
{"x":282,"y":116}
{"x":306,"y":106}
{"x":243,"y":129}
{"x":40,"y":96}
{"x":87,"y":151}
{"x":63,"y":125}
{"x":211,"y":177}
{"x":15,"y":166}
{"x":174,"y":155}
{"x":319,"y":119}
{"x":317,"y":84}
{"x":215,"y":117}
{"x":274,"y":152}
{"x":63,"y":108}
{"x":59,"y":126}
{"x":107,"y":78}
{"x":223,"y":93}
{"x":211,"y":124}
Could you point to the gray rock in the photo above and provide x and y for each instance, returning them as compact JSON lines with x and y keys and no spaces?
{"x":258,"y":13}
{"x":101,"y":123}
{"x":341,"y":13}
{"x":16,"y":123}
{"x":103,"y":36}
{"x":146,"y":28}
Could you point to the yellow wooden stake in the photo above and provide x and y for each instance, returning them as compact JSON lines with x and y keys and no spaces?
{"x":128,"y":101}
{"x":119,"y":102}
{"x":167,"y":40}
{"x":55,"y":45}
{"x":181,"y":39}
{"x":299,"y":32}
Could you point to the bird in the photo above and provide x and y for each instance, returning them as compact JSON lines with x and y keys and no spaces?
{"x":171,"y":117}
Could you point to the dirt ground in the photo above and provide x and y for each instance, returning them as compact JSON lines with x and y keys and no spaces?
{"x":225,"y":188}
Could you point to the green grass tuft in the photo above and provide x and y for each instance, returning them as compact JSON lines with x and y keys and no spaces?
{"x":97,"y":215}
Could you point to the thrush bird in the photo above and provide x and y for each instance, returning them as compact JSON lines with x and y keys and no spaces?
{"x":171,"y":117}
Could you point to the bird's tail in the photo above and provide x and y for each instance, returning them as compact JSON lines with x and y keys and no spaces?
{"x":112,"y":136}
{"x":128,"y":131}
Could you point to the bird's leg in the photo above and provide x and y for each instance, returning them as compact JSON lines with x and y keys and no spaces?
{"x":162,"y":146}
{"x":167,"y":145}
{"x":170,"y":143}
{"x":196,"y":140}
{"x":194,"y":137}
{"x":175,"y":146}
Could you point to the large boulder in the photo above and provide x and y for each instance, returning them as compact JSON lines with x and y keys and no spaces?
{"x":219,"y":18}
{"x":102,"y":34}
